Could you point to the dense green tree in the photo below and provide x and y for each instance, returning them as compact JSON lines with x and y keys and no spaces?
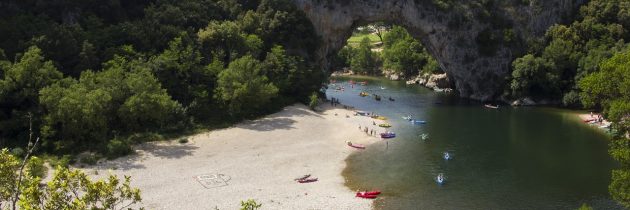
{"x":364,"y":60}
{"x":180,"y":70}
{"x":533,"y":76}
{"x":19,"y":92}
{"x":125,"y":96}
{"x":244,"y":87}
{"x":609,"y":88}
{"x":406,"y":56}
{"x":282,"y":69}
{"x":227,"y":41}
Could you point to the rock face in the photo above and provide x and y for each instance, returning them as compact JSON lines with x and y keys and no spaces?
{"x":437,"y":82}
{"x":473,"y":42}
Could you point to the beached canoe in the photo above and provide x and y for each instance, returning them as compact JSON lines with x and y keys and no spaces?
{"x":303,"y":177}
{"x":363,"y":195}
{"x":307,"y":180}
{"x":379,"y":117}
{"x":358,"y":146}
{"x":388,"y":135}
{"x":373,"y":192}
{"x":384,"y":125}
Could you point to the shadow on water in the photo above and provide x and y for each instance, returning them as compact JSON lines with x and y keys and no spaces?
{"x":510,"y":158}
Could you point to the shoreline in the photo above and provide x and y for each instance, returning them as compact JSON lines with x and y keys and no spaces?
{"x":255,"y":159}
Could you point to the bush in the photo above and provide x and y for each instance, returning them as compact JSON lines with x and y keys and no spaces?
{"x":183,"y":140}
{"x":17,"y":152}
{"x":117,"y":147}
{"x":90,"y":159}
{"x":36,"y":167}
{"x":63,"y":161}
{"x":144,"y":137}
{"x":571,"y":99}
{"x":250,"y":204}
{"x":314,"y":101}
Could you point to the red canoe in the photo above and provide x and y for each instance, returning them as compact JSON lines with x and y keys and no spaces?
{"x":358,"y":146}
{"x":307,"y":180}
{"x":364,"y":195}
{"x":373,"y":192}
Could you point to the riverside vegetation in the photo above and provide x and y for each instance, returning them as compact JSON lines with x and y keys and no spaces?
{"x":103,"y":76}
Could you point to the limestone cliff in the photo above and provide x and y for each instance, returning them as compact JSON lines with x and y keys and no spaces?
{"x":474,"y":42}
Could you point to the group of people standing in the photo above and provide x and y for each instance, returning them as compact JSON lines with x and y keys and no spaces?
{"x":368,"y":131}
{"x":334,"y":101}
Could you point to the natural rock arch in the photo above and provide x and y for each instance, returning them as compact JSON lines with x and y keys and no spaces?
{"x":470,"y":40}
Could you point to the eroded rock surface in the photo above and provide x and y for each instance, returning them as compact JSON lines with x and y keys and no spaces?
{"x":473,"y":42}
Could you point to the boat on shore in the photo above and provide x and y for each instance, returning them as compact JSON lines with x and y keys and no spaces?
{"x":303,"y":177}
{"x":388,"y":135}
{"x":307,"y":180}
{"x":379,"y":117}
{"x":357,"y":146}
{"x":362,"y":113}
{"x":385,"y":125}
{"x":365,"y":195}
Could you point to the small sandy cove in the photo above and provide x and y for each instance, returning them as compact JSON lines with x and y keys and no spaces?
{"x":256,"y":159}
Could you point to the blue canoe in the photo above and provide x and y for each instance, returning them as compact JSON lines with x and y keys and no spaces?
{"x":418,"y":121}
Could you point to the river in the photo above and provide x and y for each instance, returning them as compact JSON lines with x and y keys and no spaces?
{"x":507,"y":158}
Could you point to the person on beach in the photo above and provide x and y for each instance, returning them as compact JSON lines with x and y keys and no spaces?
{"x":359,"y":127}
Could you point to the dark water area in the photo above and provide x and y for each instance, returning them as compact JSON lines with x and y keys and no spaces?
{"x":507,"y":158}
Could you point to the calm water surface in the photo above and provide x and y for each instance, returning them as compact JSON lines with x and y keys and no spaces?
{"x":510,"y":158}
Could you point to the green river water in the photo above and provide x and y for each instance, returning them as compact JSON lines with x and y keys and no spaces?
{"x":509,"y":158}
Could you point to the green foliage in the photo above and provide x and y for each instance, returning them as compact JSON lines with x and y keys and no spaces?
{"x":609,"y":88}
{"x":314,"y":101}
{"x":585,"y":207}
{"x":227,"y":41}
{"x":9,"y":165}
{"x":73,"y":189}
{"x":576,"y":50}
{"x":610,"y":84}
{"x":532,"y":76}
{"x":125,"y":96}
{"x":144,"y":66}
{"x":250,"y":204}
{"x":244,"y":87}
{"x":35,"y":167}
{"x":117,"y":147}
{"x":619,"y":187}
{"x":404,"y":54}
{"x":68,"y":189}
{"x":364,"y":60}
{"x":19,"y":90}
